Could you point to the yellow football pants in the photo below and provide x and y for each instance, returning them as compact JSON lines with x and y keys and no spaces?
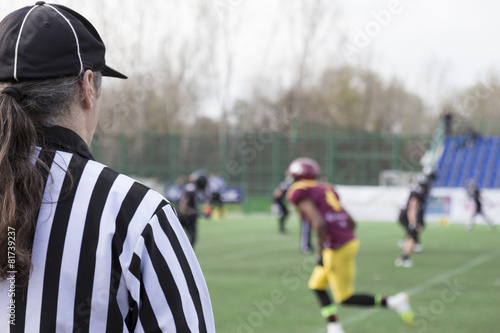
{"x":338,"y":271}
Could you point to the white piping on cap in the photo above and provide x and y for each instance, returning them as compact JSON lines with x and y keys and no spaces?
{"x":20,"y":32}
{"x":76,"y":37}
{"x":17,"y":43}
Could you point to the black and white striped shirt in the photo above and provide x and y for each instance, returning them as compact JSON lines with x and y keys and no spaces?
{"x":109,"y":255}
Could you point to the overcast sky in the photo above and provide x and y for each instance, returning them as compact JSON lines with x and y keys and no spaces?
{"x":456,"y":37}
{"x":451,"y":43}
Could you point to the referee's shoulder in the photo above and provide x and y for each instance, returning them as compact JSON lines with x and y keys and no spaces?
{"x":128,"y":191}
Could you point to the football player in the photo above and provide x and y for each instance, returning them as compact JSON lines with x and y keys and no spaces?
{"x":216,"y":185}
{"x":319,"y":204}
{"x":193,"y":194}
{"x":475,"y":195}
{"x":411,"y":218}
{"x":278,"y":204}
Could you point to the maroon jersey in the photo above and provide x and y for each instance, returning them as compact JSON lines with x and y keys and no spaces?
{"x":327,"y":201}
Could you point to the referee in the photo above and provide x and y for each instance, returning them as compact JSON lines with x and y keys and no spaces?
{"x":82,"y":247}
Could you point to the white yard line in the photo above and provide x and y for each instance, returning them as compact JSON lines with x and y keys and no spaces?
{"x":425,"y":285}
{"x":430,"y":283}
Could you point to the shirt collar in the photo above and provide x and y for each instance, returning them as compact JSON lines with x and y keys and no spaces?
{"x":64,"y":139}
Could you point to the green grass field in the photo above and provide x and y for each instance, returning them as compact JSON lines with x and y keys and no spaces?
{"x":258,"y":278}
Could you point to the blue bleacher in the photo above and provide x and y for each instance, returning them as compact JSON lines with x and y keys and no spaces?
{"x":462,"y":161}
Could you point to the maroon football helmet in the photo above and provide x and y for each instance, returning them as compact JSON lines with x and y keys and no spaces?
{"x":304,"y":168}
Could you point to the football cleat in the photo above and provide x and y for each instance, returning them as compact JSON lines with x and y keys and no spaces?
{"x":307,"y":250}
{"x":468,"y":227}
{"x":335,"y":327}
{"x":406,"y":263}
{"x":418,"y":248}
{"x":400,"y":303}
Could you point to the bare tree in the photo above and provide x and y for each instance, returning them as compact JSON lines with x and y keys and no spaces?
{"x":477,"y":106}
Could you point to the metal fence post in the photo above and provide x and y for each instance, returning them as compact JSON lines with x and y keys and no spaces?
{"x":122,"y":166}
{"x":223,"y":152}
{"x":277,"y":174}
{"x":396,"y":152}
{"x":173,"y":157}
{"x":330,"y":157}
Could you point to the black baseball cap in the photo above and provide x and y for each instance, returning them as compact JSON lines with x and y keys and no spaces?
{"x":49,"y":41}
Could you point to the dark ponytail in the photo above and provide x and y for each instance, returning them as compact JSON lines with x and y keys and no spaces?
{"x":25,"y":107}
{"x":21,"y":188}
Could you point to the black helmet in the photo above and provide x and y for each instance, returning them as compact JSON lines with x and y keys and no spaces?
{"x":199,"y":178}
{"x":422,"y":180}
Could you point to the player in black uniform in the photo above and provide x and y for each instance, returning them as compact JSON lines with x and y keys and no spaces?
{"x":193,"y":194}
{"x":412,"y":219}
{"x":475,"y":195}
{"x":425,"y":181}
{"x":279,"y":206}
{"x":216,"y":185}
